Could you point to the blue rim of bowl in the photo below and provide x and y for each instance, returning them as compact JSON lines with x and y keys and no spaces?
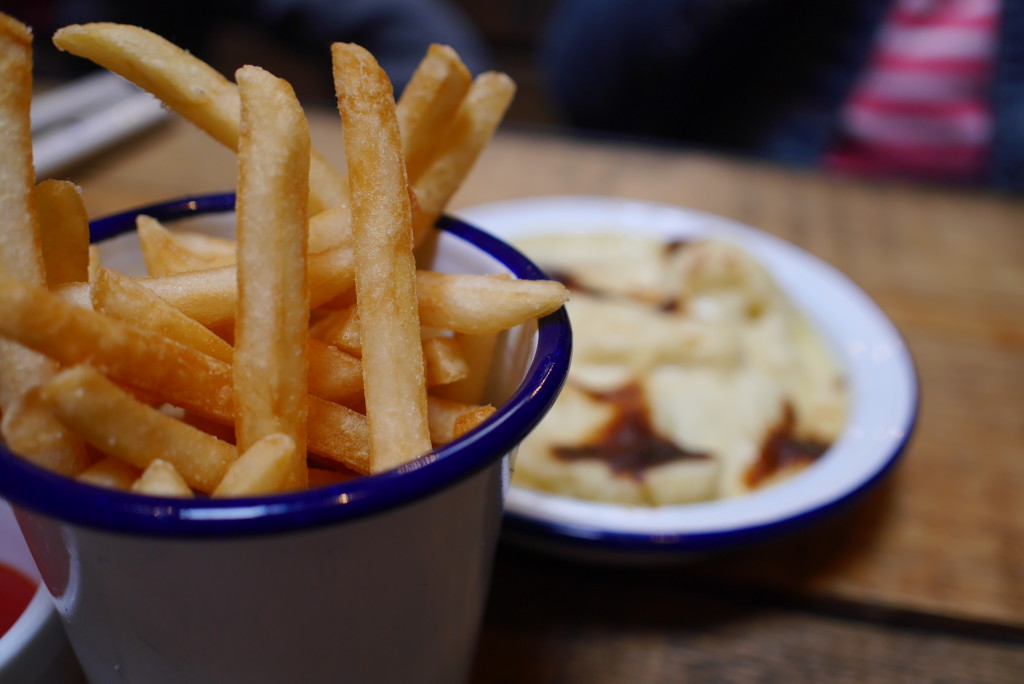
{"x":33,"y":488}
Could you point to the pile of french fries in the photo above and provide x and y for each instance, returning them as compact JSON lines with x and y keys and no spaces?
{"x":308,"y":350}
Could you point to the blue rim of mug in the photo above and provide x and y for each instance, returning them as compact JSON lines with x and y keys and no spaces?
{"x":36,"y":489}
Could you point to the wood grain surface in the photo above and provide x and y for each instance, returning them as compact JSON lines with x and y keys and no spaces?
{"x":922,"y":581}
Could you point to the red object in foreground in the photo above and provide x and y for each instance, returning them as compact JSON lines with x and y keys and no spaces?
{"x":16,"y":591}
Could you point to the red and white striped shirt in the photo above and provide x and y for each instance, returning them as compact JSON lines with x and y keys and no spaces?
{"x":922,"y":106}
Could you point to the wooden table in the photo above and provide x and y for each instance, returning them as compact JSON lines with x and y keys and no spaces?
{"x":921,"y":582}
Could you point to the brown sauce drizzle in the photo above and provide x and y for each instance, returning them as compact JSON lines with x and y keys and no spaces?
{"x":781,"y":450}
{"x":673,"y":306}
{"x":628,"y":443}
{"x":571,"y":282}
{"x":673,"y":246}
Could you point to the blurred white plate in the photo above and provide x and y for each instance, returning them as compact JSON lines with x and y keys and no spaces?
{"x":877,"y":363}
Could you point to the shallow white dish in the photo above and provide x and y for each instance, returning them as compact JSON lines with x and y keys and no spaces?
{"x":877,"y":363}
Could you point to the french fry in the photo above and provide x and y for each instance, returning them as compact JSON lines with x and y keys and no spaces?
{"x":20,"y":247}
{"x":428,"y":103}
{"x":442,"y":357}
{"x":189,"y":86}
{"x":112,"y":473}
{"x":394,"y":381}
{"x":451,"y":419}
{"x":211,"y":247}
{"x":161,"y":478}
{"x":211,"y":296}
{"x":444,"y":361}
{"x":164,"y":254}
{"x":473,"y":126}
{"x":479,"y":304}
{"x":340,"y":329}
{"x":64,"y":232}
{"x":272,"y":327}
{"x":478,"y":352}
{"x":340,"y":434}
{"x":471,"y":304}
{"x":21,"y":254}
{"x":95,"y":262}
{"x":262,"y":469}
{"x":30,"y":429}
{"x":330,"y":229}
{"x":112,"y":420}
{"x":177,"y":374}
{"x":333,"y":374}
{"x":125,"y":299}
{"x":469,"y":420}
{"x":71,"y":335}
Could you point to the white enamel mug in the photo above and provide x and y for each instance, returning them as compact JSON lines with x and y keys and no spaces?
{"x":378,"y":579}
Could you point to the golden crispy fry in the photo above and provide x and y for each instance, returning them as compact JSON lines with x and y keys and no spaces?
{"x":450,"y":419}
{"x":30,"y":429}
{"x":272,"y":324}
{"x":478,"y":351}
{"x":442,"y":357}
{"x":393,"y":373}
{"x":330,"y":229}
{"x":340,"y":329}
{"x":21,"y":253}
{"x":333,"y":374}
{"x":444,"y":361}
{"x":211,"y":296}
{"x":112,"y":473}
{"x":161,"y":478}
{"x":20,"y":249}
{"x":112,"y":420}
{"x":473,"y":126}
{"x":448,"y":301}
{"x":64,"y":232}
{"x":215,"y":249}
{"x":164,"y":253}
{"x":125,"y":299}
{"x":186,"y":84}
{"x":177,"y":374}
{"x":72,"y":335}
{"x":480,"y":304}
{"x":428,"y":104}
{"x":95,"y":262}
{"x":464,"y":422}
{"x":262,"y":469}
{"x":340,"y":434}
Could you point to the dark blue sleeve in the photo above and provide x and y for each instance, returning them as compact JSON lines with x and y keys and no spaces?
{"x":1006,"y":162}
{"x":599,"y":55}
{"x":397,"y":32}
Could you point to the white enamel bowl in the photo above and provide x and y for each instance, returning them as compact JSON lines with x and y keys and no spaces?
{"x":875,"y":359}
